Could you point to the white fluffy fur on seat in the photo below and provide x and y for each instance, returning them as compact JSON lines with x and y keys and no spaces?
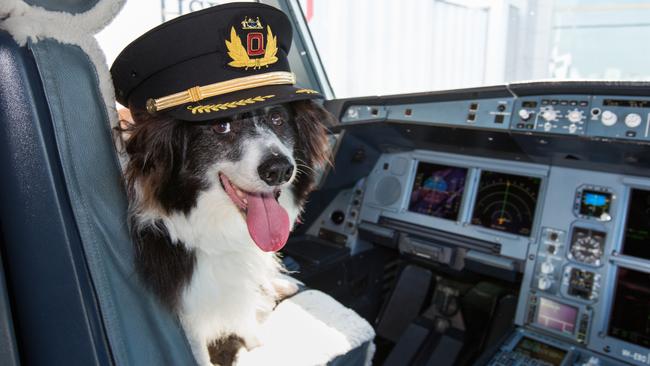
{"x":310,"y":328}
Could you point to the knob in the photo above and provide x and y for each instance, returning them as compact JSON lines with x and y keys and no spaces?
{"x":575,"y":116}
{"x":524,"y":114}
{"x":548,"y":126}
{"x":608,"y":118}
{"x":544,"y":283}
{"x":547,"y":267}
{"x":632,"y":120}
{"x":573,"y":128}
{"x":549,"y":115}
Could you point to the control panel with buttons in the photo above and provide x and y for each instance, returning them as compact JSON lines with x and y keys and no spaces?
{"x":599,"y":116}
{"x":559,"y":114}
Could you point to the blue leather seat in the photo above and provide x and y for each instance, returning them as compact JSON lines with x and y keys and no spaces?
{"x":71,"y":293}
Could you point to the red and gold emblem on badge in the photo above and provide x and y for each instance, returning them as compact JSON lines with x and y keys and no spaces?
{"x":248,"y":56}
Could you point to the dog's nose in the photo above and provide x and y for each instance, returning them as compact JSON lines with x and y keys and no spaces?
{"x":275,"y":170}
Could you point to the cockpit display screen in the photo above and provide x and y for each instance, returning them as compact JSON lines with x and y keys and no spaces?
{"x":595,"y":204}
{"x":438,"y":190}
{"x":537,"y":350}
{"x":630,"y":317}
{"x":556,"y":316}
{"x":636,"y":242}
{"x":506,"y":202}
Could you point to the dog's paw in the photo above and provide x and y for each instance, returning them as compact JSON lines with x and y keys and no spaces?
{"x":251,"y":342}
{"x":283,"y":288}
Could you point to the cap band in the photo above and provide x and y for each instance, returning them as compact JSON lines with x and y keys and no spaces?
{"x":198,"y":93}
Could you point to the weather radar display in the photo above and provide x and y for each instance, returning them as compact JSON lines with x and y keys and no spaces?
{"x":506,"y":202}
{"x":438,"y":190}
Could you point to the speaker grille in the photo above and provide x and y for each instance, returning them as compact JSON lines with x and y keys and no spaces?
{"x":388,"y":191}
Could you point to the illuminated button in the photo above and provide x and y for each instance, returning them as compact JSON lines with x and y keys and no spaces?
{"x":632,"y":120}
{"x":524,"y":114}
{"x":608,"y":118}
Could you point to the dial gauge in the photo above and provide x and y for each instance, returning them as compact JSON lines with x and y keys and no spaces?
{"x":587,"y":246}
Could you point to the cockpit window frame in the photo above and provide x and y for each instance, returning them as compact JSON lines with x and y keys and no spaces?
{"x":303,"y":57}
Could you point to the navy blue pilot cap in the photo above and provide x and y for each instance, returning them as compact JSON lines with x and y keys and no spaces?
{"x":209,"y":64}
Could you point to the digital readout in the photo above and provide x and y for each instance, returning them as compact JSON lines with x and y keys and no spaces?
{"x":626,"y":103}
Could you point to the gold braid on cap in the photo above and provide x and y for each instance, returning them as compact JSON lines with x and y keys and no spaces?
{"x":198,"y":93}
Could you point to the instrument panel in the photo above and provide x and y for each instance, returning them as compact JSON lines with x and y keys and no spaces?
{"x":491,"y":201}
{"x":551,"y":180}
{"x":580,"y":236}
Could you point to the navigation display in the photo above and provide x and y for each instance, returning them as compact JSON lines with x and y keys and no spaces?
{"x":556,"y":316}
{"x":540,"y":351}
{"x":630,"y":317}
{"x":636,"y":242}
{"x":595,"y":204}
{"x":438,"y":190}
{"x":506,"y":202}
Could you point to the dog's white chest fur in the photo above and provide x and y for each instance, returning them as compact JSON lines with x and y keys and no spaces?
{"x":232,"y":281}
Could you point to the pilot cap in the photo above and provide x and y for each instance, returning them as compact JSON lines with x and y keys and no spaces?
{"x":209,"y":64}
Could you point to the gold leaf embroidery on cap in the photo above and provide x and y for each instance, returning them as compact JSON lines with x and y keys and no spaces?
{"x":208,"y":108}
{"x":239,"y":55}
{"x":306,"y":91}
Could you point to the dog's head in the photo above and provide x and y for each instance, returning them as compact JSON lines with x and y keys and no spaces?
{"x":253,"y":169}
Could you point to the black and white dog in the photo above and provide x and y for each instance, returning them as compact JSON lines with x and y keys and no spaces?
{"x":210,"y":204}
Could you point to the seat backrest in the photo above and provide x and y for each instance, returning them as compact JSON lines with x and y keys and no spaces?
{"x":67,"y":252}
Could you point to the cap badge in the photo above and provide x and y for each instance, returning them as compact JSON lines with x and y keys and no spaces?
{"x":249,"y":23}
{"x":241,"y":57}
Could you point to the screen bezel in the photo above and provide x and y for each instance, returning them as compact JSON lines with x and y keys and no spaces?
{"x":624,"y":226}
{"x":611,"y":303}
{"x":524,"y":338}
{"x":555,"y":331}
{"x":463,"y":197}
{"x":536,"y":211}
{"x":595,"y":192}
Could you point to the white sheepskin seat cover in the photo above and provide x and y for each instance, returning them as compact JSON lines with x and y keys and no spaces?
{"x":310,"y":328}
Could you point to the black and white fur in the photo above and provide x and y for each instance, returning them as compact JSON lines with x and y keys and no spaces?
{"x":192,"y":246}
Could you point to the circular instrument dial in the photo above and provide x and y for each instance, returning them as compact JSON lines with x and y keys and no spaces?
{"x":587,"y":246}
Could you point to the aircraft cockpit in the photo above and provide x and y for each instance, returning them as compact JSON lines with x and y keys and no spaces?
{"x":487,"y":201}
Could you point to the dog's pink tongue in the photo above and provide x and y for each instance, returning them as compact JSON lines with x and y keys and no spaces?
{"x":268,"y":222}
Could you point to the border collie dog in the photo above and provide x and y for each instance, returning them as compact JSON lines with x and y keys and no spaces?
{"x":210,"y":204}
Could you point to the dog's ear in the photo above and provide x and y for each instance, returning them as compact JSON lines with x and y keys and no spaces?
{"x":154,"y":145}
{"x":311,"y":120}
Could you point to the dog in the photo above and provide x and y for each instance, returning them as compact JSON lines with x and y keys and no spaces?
{"x":210,"y":204}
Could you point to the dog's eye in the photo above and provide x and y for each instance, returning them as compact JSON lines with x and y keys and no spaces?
{"x":222,"y":127}
{"x":276,"y":119}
